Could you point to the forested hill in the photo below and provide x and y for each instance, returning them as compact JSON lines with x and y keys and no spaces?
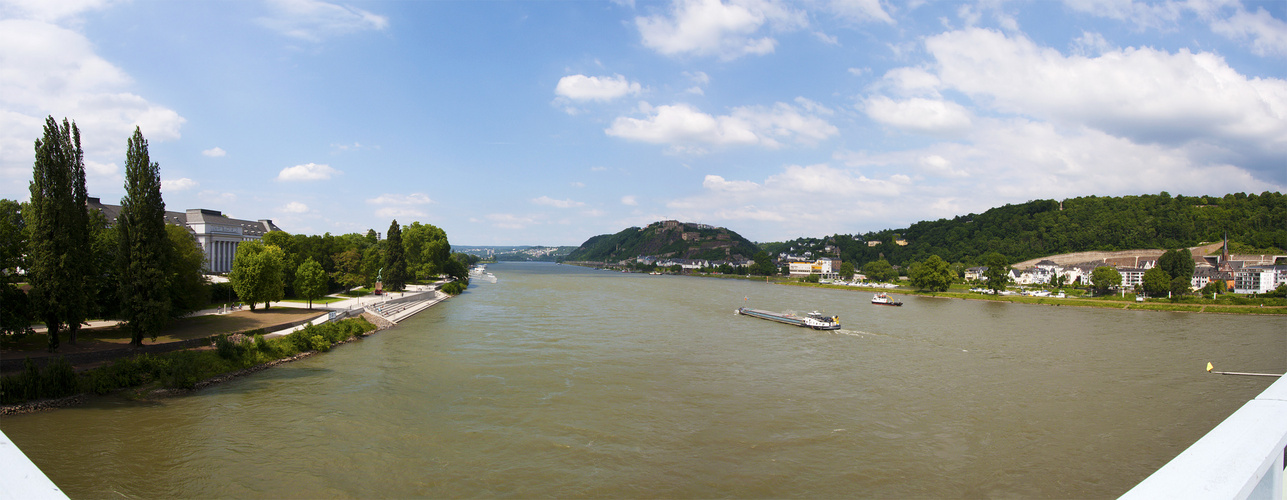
{"x":1045,"y":227}
{"x":667,"y":239}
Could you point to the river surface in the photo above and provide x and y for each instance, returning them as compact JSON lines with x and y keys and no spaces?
{"x":558,"y":381}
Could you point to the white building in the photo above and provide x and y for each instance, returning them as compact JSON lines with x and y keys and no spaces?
{"x":1255,"y":280}
{"x":824,"y":267}
{"x":218,"y":235}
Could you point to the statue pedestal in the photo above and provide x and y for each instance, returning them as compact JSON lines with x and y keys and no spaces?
{"x":379,"y":288}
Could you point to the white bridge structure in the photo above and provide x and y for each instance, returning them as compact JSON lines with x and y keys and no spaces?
{"x":1242,"y":458}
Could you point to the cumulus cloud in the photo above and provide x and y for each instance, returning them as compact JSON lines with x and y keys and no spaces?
{"x":714,"y":28}
{"x":307,"y":172}
{"x":551,"y":202}
{"x":928,"y":116}
{"x":388,"y":212}
{"x":215,"y":152}
{"x":595,"y":88}
{"x":216,"y":198}
{"x":1143,"y":94}
{"x":174,"y":185}
{"x":861,"y":11}
{"x":510,"y":221}
{"x":629,"y":200}
{"x":314,"y":20}
{"x":47,"y":11}
{"x":51,"y":70}
{"x":1267,"y":34}
{"x":686,"y":128}
{"x":401,"y":199}
{"x":295,"y":207}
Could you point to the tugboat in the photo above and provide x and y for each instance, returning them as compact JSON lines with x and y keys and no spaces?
{"x":882,"y":299}
{"x":814,"y":320}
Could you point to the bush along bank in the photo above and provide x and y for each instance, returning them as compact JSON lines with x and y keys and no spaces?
{"x":180,"y":370}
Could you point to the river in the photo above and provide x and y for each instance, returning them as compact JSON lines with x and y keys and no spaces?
{"x":559,"y":381}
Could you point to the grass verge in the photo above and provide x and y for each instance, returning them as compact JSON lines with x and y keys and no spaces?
{"x":175,"y":370}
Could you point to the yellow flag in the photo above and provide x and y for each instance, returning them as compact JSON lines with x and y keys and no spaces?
{"x":1209,"y":367}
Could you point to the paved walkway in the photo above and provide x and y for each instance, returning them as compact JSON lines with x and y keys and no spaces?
{"x":347,"y":304}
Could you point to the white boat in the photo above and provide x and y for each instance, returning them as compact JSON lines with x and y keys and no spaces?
{"x":882,"y":299}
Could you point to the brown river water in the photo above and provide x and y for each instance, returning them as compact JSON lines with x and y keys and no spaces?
{"x":558,"y":381}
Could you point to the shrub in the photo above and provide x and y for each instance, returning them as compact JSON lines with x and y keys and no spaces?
{"x":226,"y":348}
{"x":320,"y":343}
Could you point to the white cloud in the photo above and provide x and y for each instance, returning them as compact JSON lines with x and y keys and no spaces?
{"x":594,"y":88}
{"x":547,"y":201}
{"x":714,"y":28}
{"x":1144,"y":94}
{"x":215,"y":152}
{"x":47,"y":10}
{"x":49,"y":70}
{"x":510,"y":221}
{"x":401,"y":199}
{"x":216,"y":198}
{"x":400,"y":205}
{"x":388,"y":212}
{"x":314,"y":20}
{"x":919,"y":115}
{"x":860,"y":10}
{"x":686,"y":128}
{"x":630,"y":200}
{"x":173,"y":185}
{"x":719,"y":184}
{"x":1268,"y":35}
{"x":295,"y":207}
{"x":1229,"y":18}
{"x":307,"y":172}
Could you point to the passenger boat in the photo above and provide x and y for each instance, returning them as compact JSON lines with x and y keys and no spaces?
{"x":882,"y":299}
{"x":814,"y":320}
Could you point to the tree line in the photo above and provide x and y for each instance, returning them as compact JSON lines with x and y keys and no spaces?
{"x":62,"y":263}
{"x":1048,"y":227}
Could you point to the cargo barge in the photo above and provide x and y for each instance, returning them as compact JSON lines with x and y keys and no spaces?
{"x":814,"y":320}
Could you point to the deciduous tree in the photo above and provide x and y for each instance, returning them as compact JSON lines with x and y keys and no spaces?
{"x":15,"y":308}
{"x":256,"y":273}
{"x":880,"y":270}
{"x":145,"y":248}
{"x":1103,"y":278}
{"x":189,"y":291}
{"x":934,"y":274}
{"x":847,"y":270}
{"x":1177,"y":263}
{"x":1156,"y":282}
{"x":998,"y":273}
{"x":310,"y":281}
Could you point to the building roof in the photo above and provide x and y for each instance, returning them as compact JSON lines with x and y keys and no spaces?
{"x":193,"y":216}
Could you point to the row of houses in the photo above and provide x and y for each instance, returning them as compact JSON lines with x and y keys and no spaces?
{"x":1237,"y":277}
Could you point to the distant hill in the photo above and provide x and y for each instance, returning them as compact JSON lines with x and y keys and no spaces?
{"x":1049,"y":227}
{"x":666,"y":239}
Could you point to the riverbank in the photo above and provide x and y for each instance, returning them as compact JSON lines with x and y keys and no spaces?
{"x":1098,"y":302}
{"x":266,"y":350}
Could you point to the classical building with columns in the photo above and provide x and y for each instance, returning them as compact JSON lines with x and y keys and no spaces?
{"x":218,"y":235}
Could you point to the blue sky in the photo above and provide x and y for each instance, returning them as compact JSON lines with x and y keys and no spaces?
{"x":548,"y":122}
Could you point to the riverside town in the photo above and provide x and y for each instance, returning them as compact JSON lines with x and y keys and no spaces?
{"x":636,"y":250}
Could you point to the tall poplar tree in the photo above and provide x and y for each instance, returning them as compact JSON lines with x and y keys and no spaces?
{"x":395,"y":260}
{"x":145,"y":246}
{"x":59,"y":251}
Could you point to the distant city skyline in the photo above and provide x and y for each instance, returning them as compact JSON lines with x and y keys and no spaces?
{"x":546,"y":123}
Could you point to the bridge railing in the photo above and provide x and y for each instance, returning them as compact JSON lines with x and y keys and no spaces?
{"x":1242,"y":458}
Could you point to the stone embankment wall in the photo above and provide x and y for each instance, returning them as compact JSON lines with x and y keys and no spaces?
{"x":1121,"y":258}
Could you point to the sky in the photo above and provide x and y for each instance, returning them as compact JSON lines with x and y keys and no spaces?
{"x":549,"y":122}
